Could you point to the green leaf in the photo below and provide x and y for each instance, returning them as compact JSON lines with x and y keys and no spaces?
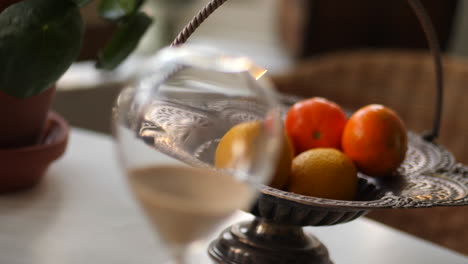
{"x":39,"y":39}
{"x":124,"y":41}
{"x":117,"y":9}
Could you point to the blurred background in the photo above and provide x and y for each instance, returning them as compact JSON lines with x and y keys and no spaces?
{"x":352,"y":52}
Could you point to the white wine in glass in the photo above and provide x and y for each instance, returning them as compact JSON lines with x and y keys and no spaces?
{"x":168,"y":124}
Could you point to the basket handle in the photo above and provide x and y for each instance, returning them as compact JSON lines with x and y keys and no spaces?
{"x":423,"y":18}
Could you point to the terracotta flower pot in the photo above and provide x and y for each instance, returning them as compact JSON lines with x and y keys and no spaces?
{"x":23,"y":167}
{"x":23,"y":119}
{"x":30,"y":139}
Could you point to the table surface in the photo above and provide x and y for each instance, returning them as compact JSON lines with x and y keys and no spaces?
{"x":83,"y":213}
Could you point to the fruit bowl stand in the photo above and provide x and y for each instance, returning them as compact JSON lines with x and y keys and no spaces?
{"x":428,"y":177}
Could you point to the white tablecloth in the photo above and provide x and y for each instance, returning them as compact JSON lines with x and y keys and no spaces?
{"x":83,"y":213}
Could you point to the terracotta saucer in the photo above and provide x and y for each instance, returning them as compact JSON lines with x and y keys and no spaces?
{"x":21,"y":168}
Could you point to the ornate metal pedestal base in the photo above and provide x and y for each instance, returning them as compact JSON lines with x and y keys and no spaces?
{"x":260,"y":242}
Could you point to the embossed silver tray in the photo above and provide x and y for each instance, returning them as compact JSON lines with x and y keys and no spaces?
{"x":429,"y":175}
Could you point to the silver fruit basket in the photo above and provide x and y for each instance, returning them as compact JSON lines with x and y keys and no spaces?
{"x":429,"y":177}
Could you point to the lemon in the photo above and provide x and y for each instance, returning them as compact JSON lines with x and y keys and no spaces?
{"x":240,"y":139}
{"x":324,"y":173}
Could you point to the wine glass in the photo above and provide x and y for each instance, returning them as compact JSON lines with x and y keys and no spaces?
{"x":168,"y":124}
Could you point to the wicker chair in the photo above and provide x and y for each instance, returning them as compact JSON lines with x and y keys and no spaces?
{"x":404,"y":81}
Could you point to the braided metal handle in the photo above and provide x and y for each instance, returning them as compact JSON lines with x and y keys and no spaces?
{"x":196,"y":21}
{"x":423,"y":19}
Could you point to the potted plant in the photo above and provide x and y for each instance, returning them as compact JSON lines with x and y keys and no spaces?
{"x":39,"y":40}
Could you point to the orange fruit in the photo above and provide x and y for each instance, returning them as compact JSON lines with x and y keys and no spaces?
{"x":324,"y":173}
{"x":314,"y":123}
{"x":237,"y":144}
{"x":375,"y":138}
